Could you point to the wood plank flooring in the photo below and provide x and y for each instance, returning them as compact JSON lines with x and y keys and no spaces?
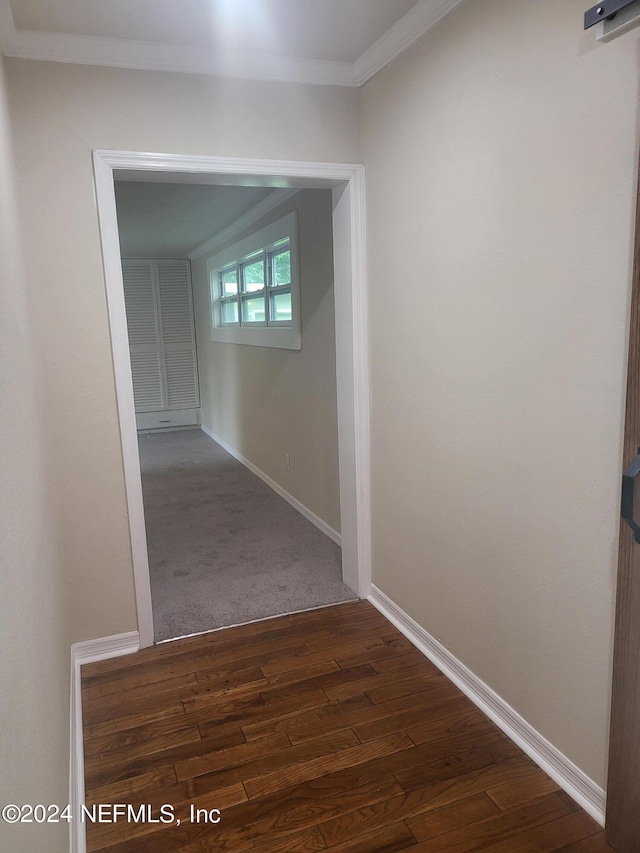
{"x":319,"y":731}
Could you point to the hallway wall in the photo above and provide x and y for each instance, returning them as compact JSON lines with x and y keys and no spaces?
{"x":267,"y":402}
{"x":34,"y":643}
{"x":501,"y":158}
{"x":62,"y":112}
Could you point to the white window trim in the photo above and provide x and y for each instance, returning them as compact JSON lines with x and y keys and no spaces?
{"x":276,"y":335}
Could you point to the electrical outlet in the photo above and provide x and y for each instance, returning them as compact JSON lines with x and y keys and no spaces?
{"x":287,"y":462}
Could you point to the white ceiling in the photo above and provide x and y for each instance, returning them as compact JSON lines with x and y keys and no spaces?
{"x":331,"y":42}
{"x":170,"y":220}
{"x":337,"y":30}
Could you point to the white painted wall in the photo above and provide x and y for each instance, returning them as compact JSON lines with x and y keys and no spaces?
{"x":500,"y":154}
{"x":68,"y":573}
{"x":34,"y":643}
{"x":267,"y":402}
{"x":501,"y":163}
{"x":61,"y":113}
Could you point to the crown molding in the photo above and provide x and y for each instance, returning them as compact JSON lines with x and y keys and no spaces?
{"x":155,"y":56}
{"x":411,"y":26}
{"x":252,"y":215}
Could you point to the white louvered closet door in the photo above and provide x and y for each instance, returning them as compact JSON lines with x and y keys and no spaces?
{"x":144,"y":335}
{"x":178,"y":338}
{"x":161,"y":339}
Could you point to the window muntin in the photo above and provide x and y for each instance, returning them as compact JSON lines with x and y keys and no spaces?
{"x":252,"y":274}
{"x":243,"y":286}
{"x":280,"y":307}
{"x":229,"y":312}
{"x":281,"y":266}
{"x":229,"y":282}
{"x":253,"y":310}
{"x":255,"y":288}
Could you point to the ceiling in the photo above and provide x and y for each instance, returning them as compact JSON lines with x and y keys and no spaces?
{"x":283,"y":27}
{"x":170,"y":220}
{"x":331,"y":42}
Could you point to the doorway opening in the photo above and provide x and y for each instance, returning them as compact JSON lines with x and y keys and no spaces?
{"x":268,"y":179}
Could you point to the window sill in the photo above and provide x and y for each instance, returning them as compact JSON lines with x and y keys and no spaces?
{"x":264,"y":336}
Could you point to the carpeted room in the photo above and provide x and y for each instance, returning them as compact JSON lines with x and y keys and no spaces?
{"x":224,"y":547}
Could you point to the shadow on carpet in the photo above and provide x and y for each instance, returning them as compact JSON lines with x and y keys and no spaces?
{"x":223,"y":547}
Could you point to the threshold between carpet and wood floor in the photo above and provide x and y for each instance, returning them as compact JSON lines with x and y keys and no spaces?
{"x":326,"y":730}
{"x":223,"y":547}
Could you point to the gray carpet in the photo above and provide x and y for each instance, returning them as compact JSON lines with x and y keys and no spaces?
{"x":224,"y":548}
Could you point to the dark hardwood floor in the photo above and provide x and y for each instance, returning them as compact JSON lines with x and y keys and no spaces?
{"x":318,"y":731}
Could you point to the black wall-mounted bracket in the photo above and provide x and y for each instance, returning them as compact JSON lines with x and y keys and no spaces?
{"x":627,"y":512}
{"x":606,"y":10}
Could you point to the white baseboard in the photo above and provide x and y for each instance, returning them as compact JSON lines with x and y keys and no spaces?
{"x":167,"y":429}
{"x":81,"y":653}
{"x":295,"y":503}
{"x":561,"y":769}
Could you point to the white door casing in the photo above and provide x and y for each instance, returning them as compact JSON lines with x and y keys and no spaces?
{"x":347,"y":183}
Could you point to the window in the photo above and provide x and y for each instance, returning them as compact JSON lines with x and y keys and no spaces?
{"x":254,"y":289}
{"x":264,"y":295}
